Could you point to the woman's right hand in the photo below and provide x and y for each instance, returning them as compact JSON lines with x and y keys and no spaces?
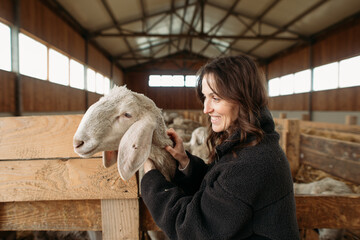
{"x":178,"y":151}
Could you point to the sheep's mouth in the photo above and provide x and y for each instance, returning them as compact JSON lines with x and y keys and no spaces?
{"x":88,"y":153}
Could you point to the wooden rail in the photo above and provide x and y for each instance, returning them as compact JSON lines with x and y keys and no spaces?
{"x":44,"y":185}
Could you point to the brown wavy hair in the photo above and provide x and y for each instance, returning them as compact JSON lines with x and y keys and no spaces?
{"x":237,"y":79}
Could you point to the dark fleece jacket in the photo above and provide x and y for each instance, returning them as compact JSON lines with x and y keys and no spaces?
{"x":246,"y":194}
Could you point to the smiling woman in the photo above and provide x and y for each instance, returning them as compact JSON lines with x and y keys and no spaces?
{"x":246,"y":190}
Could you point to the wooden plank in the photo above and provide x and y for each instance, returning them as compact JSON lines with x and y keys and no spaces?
{"x":292,"y":142}
{"x":313,"y":211}
{"x":354,"y":129}
{"x":51,"y":216}
{"x":336,"y":157}
{"x":37,"y":180}
{"x":289,"y":131}
{"x":38,"y":137}
{"x":320,"y":211}
{"x":120,"y":219}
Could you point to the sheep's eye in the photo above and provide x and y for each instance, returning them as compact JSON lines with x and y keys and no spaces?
{"x":127,"y":115}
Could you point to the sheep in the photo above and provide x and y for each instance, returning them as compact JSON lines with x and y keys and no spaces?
{"x":324,"y":186}
{"x":128,"y":128}
{"x":197,"y":144}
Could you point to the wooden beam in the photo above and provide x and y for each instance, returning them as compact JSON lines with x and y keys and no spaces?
{"x":320,"y":211}
{"x":339,"y":158}
{"x":38,"y":180}
{"x":38,"y":137}
{"x":51,"y":216}
{"x":313,"y":211}
{"x":199,"y":35}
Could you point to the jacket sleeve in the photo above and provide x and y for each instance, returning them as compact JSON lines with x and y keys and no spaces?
{"x":190,"y":182}
{"x":211,"y":213}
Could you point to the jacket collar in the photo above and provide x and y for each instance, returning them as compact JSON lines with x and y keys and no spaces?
{"x":267,"y":125}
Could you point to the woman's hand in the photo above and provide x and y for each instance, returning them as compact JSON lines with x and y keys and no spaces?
{"x":178,"y":151}
{"x":149,"y":165}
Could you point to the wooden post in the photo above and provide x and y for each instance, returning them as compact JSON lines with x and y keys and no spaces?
{"x":120,"y":219}
{"x":305,"y":117}
{"x":350,"y":120}
{"x":282,"y":115}
{"x":292,"y":144}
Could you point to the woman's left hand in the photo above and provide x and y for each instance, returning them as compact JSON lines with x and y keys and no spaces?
{"x":149,"y":165}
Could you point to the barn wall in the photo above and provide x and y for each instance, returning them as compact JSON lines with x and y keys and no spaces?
{"x":340,"y":43}
{"x":166,"y":97}
{"x":38,"y":96}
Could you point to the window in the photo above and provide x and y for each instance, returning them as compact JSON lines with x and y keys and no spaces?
{"x":287,"y":84}
{"x":326,"y":77}
{"x":274,"y":87}
{"x":58,"y":68}
{"x":106,"y":85}
{"x":90,"y":80}
{"x":190,"y":80}
{"x":349,"y":72}
{"x":32,"y":57}
{"x":302,"y":81}
{"x":99,"y":86}
{"x":172,"y":81}
{"x":5,"y":47}
{"x":76,"y":74}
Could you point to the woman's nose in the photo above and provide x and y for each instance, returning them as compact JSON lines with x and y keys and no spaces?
{"x":207,"y":107}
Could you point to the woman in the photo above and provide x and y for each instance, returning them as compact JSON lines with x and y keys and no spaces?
{"x":246,"y":192}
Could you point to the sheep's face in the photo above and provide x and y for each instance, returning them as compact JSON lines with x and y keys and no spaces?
{"x":106,"y":121}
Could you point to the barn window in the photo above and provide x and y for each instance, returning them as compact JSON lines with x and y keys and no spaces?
{"x":349,"y":72}
{"x":5,"y":47}
{"x":99,"y":83}
{"x":190,"y":80}
{"x":274,"y":87}
{"x":326,"y":77}
{"x":76,"y":74}
{"x":287,"y":84}
{"x":58,"y":68}
{"x":172,"y":81}
{"x":32,"y":57}
{"x":90,"y":80}
{"x":106,"y":85}
{"x":302,"y":81}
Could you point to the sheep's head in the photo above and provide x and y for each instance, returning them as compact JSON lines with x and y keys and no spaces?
{"x":122,"y":120}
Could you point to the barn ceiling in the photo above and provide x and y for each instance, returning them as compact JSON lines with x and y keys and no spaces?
{"x":133,"y":32}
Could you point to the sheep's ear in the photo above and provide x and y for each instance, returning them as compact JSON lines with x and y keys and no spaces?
{"x":135,"y":146}
{"x":109,"y":158}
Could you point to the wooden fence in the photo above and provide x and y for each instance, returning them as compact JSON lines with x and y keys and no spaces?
{"x":44,"y":185}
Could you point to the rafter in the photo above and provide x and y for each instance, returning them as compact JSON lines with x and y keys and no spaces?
{"x":99,"y":31}
{"x":302,"y":15}
{"x":108,"y":10}
{"x":197,"y":35}
{"x":220,"y":23}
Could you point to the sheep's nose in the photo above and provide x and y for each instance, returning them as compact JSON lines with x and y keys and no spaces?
{"x":78,"y":143}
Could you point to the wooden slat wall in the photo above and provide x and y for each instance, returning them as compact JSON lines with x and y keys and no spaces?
{"x":42,"y":182}
{"x":7,"y":91}
{"x":46,"y":25}
{"x":98,"y":61}
{"x":44,"y":96}
{"x":6,"y":10}
{"x":41,"y":96}
{"x":341,"y":43}
{"x":164,"y":97}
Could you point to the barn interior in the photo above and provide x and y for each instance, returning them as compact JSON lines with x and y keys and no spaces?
{"x":58,"y":57}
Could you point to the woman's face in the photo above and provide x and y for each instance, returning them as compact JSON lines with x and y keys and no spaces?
{"x":222,"y":112}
